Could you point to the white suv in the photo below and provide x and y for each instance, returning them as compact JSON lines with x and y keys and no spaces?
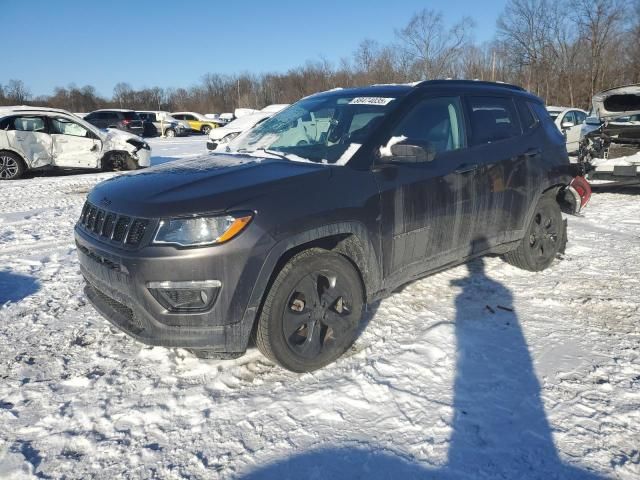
{"x":39,"y":138}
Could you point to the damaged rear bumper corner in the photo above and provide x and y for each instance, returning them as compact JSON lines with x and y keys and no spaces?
{"x":575,"y":196}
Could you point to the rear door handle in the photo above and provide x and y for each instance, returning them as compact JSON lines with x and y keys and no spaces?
{"x":464,"y":168}
{"x":533,"y":152}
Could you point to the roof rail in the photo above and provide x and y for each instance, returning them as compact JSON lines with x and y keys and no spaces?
{"x":425,"y":83}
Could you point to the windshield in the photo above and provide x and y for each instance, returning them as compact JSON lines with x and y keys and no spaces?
{"x":323,"y":128}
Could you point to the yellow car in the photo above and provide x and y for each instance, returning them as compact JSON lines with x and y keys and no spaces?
{"x":197,"y":122}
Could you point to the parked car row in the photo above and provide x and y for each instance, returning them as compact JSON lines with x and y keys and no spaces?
{"x":149,"y":123}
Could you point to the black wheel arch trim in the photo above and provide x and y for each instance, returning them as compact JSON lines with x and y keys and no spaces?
{"x":351,"y":240}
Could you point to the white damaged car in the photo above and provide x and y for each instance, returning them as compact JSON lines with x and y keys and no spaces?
{"x":38,"y":138}
{"x":610,"y":136}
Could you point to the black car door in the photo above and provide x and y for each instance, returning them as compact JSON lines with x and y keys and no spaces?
{"x":501,"y":154}
{"x":422,"y":196}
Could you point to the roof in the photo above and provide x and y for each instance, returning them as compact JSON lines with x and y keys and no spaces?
{"x":113,"y":110}
{"x":28,"y":108}
{"x":401,"y":89}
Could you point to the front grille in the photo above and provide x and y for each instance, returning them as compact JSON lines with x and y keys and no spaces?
{"x":136,"y":232}
{"x":113,"y":227}
{"x":122,"y":225}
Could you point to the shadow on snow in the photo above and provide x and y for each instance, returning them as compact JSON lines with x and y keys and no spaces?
{"x":499,"y":426}
{"x":14,"y":287}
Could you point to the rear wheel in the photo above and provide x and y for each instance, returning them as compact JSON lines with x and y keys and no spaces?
{"x":11,"y":166}
{"x":311,"y":314}
{"x":544,"y":239}
{"x":170,"y":132}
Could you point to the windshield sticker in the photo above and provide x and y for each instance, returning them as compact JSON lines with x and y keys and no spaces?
{"x":370,"y":101}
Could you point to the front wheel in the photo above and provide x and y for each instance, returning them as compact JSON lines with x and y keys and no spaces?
{"x":543,"y":240}
{"x":311,"y":314}
{"x":119,"y":161}
{"x":170,"y":132}
{"x":205,"y":129}
{"x":11,"y":166}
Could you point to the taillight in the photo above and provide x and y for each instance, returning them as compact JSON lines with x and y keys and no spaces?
{"x":126,"y":122}
{"x":582,"y":186}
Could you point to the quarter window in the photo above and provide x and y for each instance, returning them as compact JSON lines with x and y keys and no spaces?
{"x":492,"y":119}
{"x":526,"y":117}
{"x":435,"y":124}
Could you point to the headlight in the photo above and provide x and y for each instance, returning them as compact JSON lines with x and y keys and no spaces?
{"x":228,"y":138}
{"x":192,"y":232}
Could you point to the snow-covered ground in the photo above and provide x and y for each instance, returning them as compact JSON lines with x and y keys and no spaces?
{"x":483,"y":371}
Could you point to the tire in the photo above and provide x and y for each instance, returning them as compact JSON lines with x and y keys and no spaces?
{"x":205,"y":129}
{"x":12,"y":167}
{"x":312,"y":311}
{"x":170,"y":132}
{"x":545,"y":237}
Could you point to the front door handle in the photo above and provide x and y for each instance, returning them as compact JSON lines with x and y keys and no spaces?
{"x":532,"y":152}
{"x":465,"y":168}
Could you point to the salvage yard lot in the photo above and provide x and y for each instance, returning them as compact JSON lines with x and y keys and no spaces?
{"x":448,"y":375}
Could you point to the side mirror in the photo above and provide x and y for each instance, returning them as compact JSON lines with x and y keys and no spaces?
{"x":407,"y":153}
{"x":593,"y":121}
{"x":568,"y":124}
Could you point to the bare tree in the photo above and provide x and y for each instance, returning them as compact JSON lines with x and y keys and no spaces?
{"x":122,"y":94}
{"x":431,"y":46}
{"x":599,"y":23}
{"x":16,"y":92}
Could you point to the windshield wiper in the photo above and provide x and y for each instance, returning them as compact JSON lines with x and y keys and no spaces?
{"x":275,"y":153}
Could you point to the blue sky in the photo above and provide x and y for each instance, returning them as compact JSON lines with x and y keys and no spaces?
{"x":173,"y":43}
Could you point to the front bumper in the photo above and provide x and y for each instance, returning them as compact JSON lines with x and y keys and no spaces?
{"x":118,"y":281}
{"x":143,"y":157}
{"x":211,"y":145}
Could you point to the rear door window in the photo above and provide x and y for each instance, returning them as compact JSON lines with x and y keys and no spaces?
{"x":29,"y":124}
{"x":492,"y":119}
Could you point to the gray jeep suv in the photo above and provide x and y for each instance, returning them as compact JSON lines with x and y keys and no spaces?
{"x":329,"y":205}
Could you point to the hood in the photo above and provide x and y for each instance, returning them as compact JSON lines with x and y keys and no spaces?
{"x":119,"y":135}
{"x":208,"y":184}
{"x":617,"y":102}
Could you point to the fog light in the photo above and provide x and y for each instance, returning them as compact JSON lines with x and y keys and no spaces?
{"x":185,"y":296}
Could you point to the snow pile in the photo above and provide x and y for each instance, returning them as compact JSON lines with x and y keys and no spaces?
{"x":482,"y":371}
